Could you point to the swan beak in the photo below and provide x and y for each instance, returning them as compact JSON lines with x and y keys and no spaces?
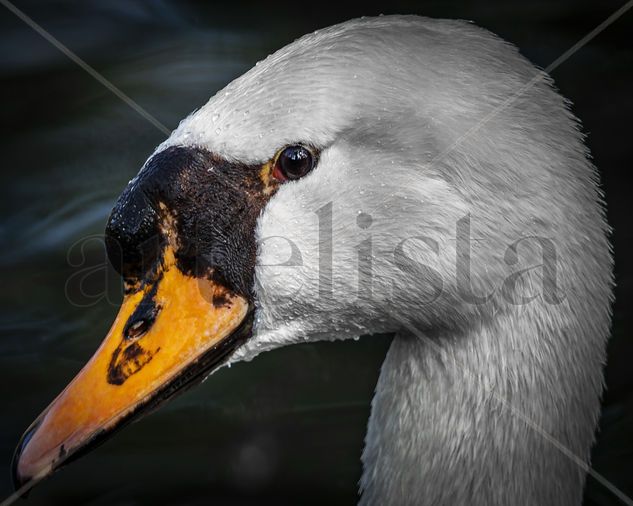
{"x":168,"y":335}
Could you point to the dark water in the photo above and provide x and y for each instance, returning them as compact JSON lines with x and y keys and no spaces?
{"x":287,"y":428}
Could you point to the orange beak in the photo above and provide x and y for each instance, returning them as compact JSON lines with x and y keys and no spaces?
{"x":168,"y":335}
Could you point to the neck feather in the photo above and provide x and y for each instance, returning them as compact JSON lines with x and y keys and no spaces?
{"x":453,"y":418}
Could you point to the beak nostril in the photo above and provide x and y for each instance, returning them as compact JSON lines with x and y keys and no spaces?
{"x":141,"y":321}
{"x":137,"y":329}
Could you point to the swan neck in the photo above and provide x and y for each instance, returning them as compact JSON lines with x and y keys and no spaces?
{"x":454,"y":416}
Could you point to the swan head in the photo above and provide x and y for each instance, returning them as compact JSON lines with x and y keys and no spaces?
{"x":327,"y":193}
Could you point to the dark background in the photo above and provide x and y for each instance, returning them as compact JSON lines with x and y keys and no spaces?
{"x":289,"y":427}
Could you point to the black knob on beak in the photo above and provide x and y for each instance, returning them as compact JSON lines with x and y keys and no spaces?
{"x":205,"y":207}
{"x":132,"y":235}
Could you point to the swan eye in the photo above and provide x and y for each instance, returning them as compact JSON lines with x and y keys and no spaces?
{"x":293,"y":162}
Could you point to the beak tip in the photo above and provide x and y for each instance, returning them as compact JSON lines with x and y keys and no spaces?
{"x":20,"y":474}
{"x":18,"y":479}
{"x":19,"y":482}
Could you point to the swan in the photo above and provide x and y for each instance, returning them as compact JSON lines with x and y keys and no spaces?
{"x":395,"y":174}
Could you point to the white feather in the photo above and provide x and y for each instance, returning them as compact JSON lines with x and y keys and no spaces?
{"x":422,"y":123}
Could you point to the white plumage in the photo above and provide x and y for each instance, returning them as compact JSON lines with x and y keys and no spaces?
{"x":434,"y":129}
